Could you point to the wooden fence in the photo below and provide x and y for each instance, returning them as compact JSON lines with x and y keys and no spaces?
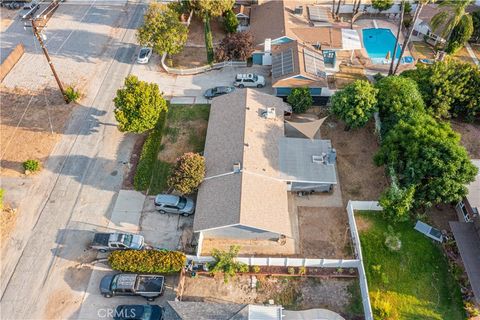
{"x":11,"y":61}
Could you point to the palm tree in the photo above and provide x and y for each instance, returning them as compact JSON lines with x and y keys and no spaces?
{"x":406,"y":41}
{"x":402,"y":8}
{"x":450,"y":18}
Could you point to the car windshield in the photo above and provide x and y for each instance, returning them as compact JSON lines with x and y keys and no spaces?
{"x":113,"y":285}
{"x":143,"y":53}
{"x":127,"y":239}
{"x":182,"y":202}
{"x":255,"y":78}
{"x":214,"y":90}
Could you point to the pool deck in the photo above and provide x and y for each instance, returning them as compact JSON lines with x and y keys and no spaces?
{"x":361,"y":56}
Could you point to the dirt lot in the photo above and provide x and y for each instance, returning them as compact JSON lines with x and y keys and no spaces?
{"x":359,"y":178}
{"x":334,"y":239}
{"x":190,"y":57}
{"x":339,"y":295}
{"x":30,"y":125}
{"x":196,"y":33}
{"x":470,"y":136}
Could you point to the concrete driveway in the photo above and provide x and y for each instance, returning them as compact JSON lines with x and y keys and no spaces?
{"x":190,"y":88}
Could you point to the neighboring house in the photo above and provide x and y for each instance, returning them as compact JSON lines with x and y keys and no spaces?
{"x":307,"y":32}
{"x":242,"y":13}
{"x":467,"y":232}
{"x":422,"y":27}
{"x":189,"y":310}
{"x":251,"y":166}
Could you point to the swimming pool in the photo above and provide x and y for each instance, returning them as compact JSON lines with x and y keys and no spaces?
{"x":378,"y":43}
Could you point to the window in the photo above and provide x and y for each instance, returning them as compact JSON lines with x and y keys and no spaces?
{"x":182,"y":203}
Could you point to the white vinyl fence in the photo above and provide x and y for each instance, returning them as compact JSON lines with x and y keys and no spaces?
{"x":206,"y":68}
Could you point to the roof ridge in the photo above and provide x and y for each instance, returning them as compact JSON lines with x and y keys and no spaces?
{"x":244,"y":113}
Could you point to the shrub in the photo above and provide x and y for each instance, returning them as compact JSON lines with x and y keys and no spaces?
{"x":230,"y":21}
{"x":148,"y":156}
{"x":188,"y":173}
{"x":302,"y":271}
{"x":355,"y":104}
{"x":1,"y":198}
{"x":300,"y":99}
{"x":235,"y":46}
{"x":382,"y":5}
{"x":291,"y":270}
{"x":256,"y":269}
{"x":149,"y":261}
{"x":392,"y":239}
{"x":397,"y":202}
{"x":383,"y":309}
{"x":209,"y":40}
{"x":460,"y":34}
{"x":225,"y":263}
{"x":72,"y":94}
{"x":31,"y":165}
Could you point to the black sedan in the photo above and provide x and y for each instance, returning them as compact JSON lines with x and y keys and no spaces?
{"x":218,"y":91}
{"x":138,"y":312}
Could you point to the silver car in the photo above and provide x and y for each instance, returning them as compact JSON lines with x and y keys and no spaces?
{"x":144,"y":55}
{"x":249,"y":80}
{"x":169,"y":203}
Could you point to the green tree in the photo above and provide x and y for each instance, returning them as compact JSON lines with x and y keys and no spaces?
{"x":449,"y":87}
{"x":356,"y":103}
{"x":397,"y":202}
{"x":235,"y":46}
{"x":208,"y":39}
{"x":462,"y":32}
{"x":382,"y":5}
{"x":476,"y":26}
{"x":225,"y":263}
{"x":138,"y":105}
{"x":162,"y":30}
{"x":398,"y":98}
{"x":427,"y":154}
{"x":300,"y":99}
{"x":450,"y":18}
{"x":211,"y":8}
{"x":188,"y":173}
{"x":230,"y":21}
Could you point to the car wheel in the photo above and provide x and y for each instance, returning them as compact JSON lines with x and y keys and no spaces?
{"x":102,"y":250}
{"x":107,"y":295}
{"x":259,"y":85}
{"x":241,"y":86}
{"x":162,"y":211}
{"x":185,"y":214}
{"x":150,"y":299}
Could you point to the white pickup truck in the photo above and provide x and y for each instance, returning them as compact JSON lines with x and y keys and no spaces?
{"x":117,"y":241}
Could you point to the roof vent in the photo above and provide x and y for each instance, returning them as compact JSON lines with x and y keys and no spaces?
{"x":237,"y":167}
{"x":298,"y":10}
{"x":320,"y":159}
{"x":269,"y":113}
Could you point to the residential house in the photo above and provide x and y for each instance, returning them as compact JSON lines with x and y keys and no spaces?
{"x":306,"y":34}
{"x":250,"y":167}
{"x":467,"y":232}
{"x":423,"y":28}
{"x":242,"y":13}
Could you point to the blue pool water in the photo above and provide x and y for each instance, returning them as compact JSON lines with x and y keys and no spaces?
{"x":378,"y":42}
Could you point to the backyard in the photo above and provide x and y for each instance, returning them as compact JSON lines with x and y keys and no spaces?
{"x":293,"y":293}
{"x":411,"y":283}
{"x":423,"y":50}
{"x":184,"y":130}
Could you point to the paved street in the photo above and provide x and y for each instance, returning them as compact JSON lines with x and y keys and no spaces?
{"x":43,"y":276}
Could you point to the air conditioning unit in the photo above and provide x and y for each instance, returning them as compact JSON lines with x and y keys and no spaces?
{"x":298,"y":10}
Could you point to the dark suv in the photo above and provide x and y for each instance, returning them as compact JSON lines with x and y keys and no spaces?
{"x":149,"y":286}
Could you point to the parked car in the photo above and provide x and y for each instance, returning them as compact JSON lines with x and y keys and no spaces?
{"x":31,"y":5}
{"x":243,"y":80}
{"x":144,"y":55}
{"x":29,"y":10}
{"x":149,"y":286}
{"x":218,"y":91}
{"x":169,"y":203}
{"x":117,"y":241}
{"x":138,"y":312}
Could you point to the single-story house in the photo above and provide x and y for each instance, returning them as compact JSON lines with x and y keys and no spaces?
{"x":467,"y":232}
{"x":249,"y":171}
{"x":422,"y":27}
{"x":242,"y":13}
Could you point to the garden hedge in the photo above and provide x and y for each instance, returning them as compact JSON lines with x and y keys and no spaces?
{"x":149,"y":261}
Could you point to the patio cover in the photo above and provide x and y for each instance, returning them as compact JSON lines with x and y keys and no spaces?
{"x":297,"y":165}
{"x":351,"y":40}
{"x":468,"y":243}
{"x":308,"y":129}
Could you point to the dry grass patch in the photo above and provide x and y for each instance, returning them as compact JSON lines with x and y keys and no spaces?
{"x":348,"y":74}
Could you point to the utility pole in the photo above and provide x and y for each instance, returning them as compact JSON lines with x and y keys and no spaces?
{"x":40,"y":40}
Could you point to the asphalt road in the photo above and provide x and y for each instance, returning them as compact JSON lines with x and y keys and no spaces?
{"x":45,"y":277}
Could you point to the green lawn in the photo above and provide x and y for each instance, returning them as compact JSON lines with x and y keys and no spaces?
{"x":152,"y":171}
{"x":413,"y":282}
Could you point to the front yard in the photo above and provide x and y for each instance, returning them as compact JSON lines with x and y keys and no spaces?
{"x":183,"y":129}
{"x":411,"y":283}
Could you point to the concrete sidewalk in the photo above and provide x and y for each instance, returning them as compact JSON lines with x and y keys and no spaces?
{"x":127,"y":211}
